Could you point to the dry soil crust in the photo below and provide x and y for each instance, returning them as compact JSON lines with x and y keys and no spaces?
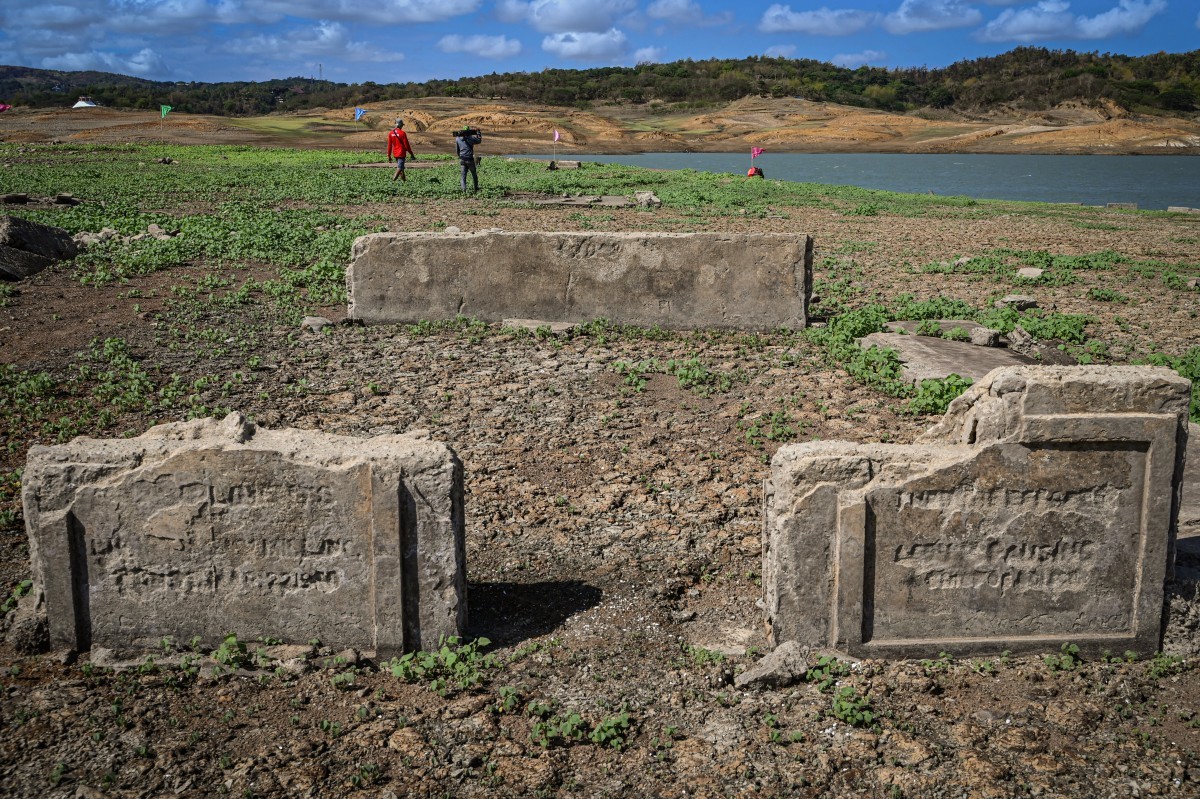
{"x":613,"y":550}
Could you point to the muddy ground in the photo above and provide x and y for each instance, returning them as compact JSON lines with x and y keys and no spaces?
{"x":614,"y":557}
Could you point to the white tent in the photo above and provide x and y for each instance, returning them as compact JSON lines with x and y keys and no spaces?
{"x":85,"y":102}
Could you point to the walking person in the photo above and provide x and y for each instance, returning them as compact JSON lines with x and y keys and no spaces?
{"x":465,"y":140}
{"x":398,"y":147}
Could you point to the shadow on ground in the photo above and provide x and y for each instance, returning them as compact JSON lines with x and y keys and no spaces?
{"x":509,"y":613}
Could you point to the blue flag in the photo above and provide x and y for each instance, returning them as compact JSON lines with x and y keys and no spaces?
{"x":358,"y":113}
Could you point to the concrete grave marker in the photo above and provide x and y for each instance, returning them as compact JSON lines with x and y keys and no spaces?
{"x":677,"y":280}
{"x":207,"y":528}
{"x":1040,"y":510}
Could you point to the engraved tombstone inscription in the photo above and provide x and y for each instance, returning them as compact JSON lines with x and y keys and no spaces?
{"x":208,"y":528}
{"x":1049,"y":520}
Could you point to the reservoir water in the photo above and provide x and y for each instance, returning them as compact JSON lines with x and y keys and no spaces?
{"x":1153,"y":182}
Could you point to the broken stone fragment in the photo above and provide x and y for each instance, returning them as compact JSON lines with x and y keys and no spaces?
{"x":784,"y":666}
{"x":27,"y":248}
{"x":315,"y":323}
{"x":1018,"y":302}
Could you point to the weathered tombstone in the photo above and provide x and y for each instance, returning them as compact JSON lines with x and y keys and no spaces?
{"x":1040,"y":510}
{"x":207,"y":528}
{"x":675,"y":280}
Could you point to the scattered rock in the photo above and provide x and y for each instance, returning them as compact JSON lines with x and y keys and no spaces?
{"x":66,"y":199}
{"x":647,"y":199}
{"x":785,"y":666}
{"x":985,"y":337}
{"x":533,"y":325}
{"x":315,"y":323}
{"x":1019,"y":302}
{"x":27,"y":248}
{"x":1030,"y":272}
{"x":15,"y":199}
{"x":1193,"y":283}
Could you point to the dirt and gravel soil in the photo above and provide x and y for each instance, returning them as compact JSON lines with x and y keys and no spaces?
{"x":780,"y":124}
{"x":614,"y":558}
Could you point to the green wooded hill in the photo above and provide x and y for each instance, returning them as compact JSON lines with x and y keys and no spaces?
{"x":1027,"y":78}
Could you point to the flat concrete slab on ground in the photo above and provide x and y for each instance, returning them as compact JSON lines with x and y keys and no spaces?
{"x":928,"y":357}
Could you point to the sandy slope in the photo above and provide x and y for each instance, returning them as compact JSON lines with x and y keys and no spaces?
{"x":782,"y":125}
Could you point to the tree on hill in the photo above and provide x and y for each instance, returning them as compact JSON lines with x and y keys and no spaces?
{"x":1029,"y":78}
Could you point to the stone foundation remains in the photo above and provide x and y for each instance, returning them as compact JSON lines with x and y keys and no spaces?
{"x":207,"y":528}
{"x":676,"y":280}
{"x":1040,"y":510}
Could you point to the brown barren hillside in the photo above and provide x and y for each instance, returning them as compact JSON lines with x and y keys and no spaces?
{"x":783,"y":125}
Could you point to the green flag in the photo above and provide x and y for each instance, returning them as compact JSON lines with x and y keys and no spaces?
{"x":166,"y":109}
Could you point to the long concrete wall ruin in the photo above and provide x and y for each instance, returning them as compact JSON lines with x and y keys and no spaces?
{"x":748,"y":281}
{"x":206,"y":528}
{"x":1040,"y":510}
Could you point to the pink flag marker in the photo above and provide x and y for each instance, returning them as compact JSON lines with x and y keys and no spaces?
{"x":4,"y":107}
{"x":755,"y":152}
{"x":556,"y":136}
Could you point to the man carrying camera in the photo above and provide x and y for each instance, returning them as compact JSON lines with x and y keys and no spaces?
{"x":398,"y":148}
{"x":465,"y":140}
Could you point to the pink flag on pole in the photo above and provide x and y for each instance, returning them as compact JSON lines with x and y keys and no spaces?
{"x":755,"y":152}
{"x":556,"y":136}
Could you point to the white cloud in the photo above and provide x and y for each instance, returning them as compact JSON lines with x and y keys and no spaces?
{"x":586,"y":45}
{"x":484,"y":46}
{"x":781,"y":51}
{"x":387,"y":12}
{"x":859,"y":59}
{"x":648,"y":55}
{"x":1052,"y":19}
{"x":143,"y":62}
{"x":822,"y":22}
{"x":326,"y":39}
{"x":685,"y":12}
{"x":566,"y":16}
{"x":918,"y":16}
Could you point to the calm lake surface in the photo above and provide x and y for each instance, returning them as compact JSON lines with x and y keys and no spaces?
{"x":1153,"y":182}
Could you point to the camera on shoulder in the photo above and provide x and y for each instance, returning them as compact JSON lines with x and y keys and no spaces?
{"x":467,"y":132}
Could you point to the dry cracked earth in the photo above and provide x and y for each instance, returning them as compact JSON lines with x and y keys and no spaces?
{"x":614,"y":554}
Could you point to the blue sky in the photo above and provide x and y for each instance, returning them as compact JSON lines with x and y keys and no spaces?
{"x":353,"y":41}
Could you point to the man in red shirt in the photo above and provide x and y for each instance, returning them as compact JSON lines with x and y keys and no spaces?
{"x":398,"y":147}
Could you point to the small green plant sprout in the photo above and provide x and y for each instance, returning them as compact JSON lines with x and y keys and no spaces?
{"x":552,"y":730}
{"x":984,"y":667}
{"x":344,"y":680}
{"x":58,"y":772}
{"x":330,"y":728}
{"x":1067,"y":659}
{"x":935,"y":395}
{"x":510,"y":699}
{"x":454,"y":666}
{"x":612,"y":731}
{"x":956,"y":334}
{"x":21,"y":589}
{"x":1162,"y":665}
{"x":826,"y":672}
{"x":851,"y":708}
{"x":231,"y":653}
{"x":929,"y":327}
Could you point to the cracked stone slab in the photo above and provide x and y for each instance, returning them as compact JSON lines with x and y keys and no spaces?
{"x":214,"y":527}
{"x":1040,"y":510}
{"x":750,"y":281}
{"x":927,"y":357}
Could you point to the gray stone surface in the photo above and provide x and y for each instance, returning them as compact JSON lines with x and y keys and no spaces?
{"x":206,"y":528}
{"x":926,"y":357}
{"x":1039,"y":510}
{"x":1020,"y":302}
{"x":27,"y":248}
{"x":1189,"y":508}
{"x":675,"y":280}
{"x":785,"y":665}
